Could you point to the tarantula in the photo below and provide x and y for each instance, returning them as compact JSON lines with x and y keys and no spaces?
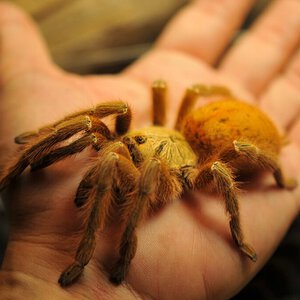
{"x":134,"y":165}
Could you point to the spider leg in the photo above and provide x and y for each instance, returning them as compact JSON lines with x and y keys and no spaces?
{"x":146,"y":191}
{"x":60,"y":153}
{"x":26,"y":137}
{"x":118,"y":108}
{"x":159,"y":95}
{"x":85,"y":186}
{"x":224,"y":181}
{"x":100,"y":134}
{"x":36,"y":151}
{"x":33,"y":152}
{"x":221,"y":175}
{"x":100,"y":198}
{"x":135,"y":153}
{"x":266,"y":161}
{"x":196,"y":178}
{"x":192,"y":94}
{"x":123,"y":121}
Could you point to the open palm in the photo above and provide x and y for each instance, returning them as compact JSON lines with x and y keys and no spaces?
{"x":186,"y":250}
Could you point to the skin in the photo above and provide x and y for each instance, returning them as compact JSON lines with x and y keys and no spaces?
{"x":185,"y":247}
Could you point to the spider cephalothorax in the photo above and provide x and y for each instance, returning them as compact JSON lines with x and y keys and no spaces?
{"x":141,"y":170}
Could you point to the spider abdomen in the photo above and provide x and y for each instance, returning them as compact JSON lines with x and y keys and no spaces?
{"x":213,"y":128}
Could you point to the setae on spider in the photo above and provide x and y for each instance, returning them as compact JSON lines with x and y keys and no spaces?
{"x":133,"y":165}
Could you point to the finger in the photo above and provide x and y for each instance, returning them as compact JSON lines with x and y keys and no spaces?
{"x":262,"y":52}
{"x":21,"y":46}
{"x":281,"y":100}
{"x":204,"y":28}
{"x":178,"y":70}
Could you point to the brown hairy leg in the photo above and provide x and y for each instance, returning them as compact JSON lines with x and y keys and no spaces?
{"x":192,"y":94}
{"x":220,"y":174}
{"x":94,"y":139}
{"x":100,"y":134}
{"x":197,"y":178}
{"x":33,"y":152}
{"x":123,"y":122}
{"x":100,"y":111}
{"x":43,"y":146}
{"x":105,"y":175}
{"x":85,"y":187}
{"x":87,"y":183}
{"x":225,"y":184}
{"x":266,"y":161}
{"x":145,"y":192}
{"x":159,"y":99}
{"x":135,"y":153}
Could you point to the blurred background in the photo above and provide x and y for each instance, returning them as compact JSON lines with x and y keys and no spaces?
{"x":87,"y":36}
{"x":97,"y":36}
{"x":92,"y":36}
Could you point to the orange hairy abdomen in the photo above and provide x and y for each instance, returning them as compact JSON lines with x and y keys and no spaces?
{"x":212,"y":128}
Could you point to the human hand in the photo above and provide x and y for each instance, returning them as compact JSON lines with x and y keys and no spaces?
{"x":183,"y":250}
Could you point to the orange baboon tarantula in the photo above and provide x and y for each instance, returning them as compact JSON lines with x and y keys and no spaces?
{"x":134,"y":165}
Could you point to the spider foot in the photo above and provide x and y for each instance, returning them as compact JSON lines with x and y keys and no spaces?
{"x":249,"y":251}
{"x":70,"y":274}
{"x":118,"y":275}
{"x":25,"y":137}
{"x":290,"y":183}
{"x":283,"y":182}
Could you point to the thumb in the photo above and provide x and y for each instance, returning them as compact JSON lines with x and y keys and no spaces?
{"x":21,"y":47}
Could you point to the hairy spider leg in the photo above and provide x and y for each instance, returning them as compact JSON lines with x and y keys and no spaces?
{"x":100,"y":111}
{"x":122,"y":125}
{"x":135,"y":153}
{"x":85,"y":186}
{"x":94,"y":139}
{"x":197,"y":177}
{"x":87,"y":183}
{"x":63,"y":130}
{"x":96,"y":135}
{"x":159,"y":99}
{"x":145,"y":192}
{"x":266,"y":161}
{"x":99,"y":200}
{"x":123,"y":121}
{"x":192,"y":94}
{"x":33,"y":152}
{"x":221,"y":175}
{"x":225,"y":183}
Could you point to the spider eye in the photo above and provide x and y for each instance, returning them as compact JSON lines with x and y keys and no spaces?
{"x":140,"y":139}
